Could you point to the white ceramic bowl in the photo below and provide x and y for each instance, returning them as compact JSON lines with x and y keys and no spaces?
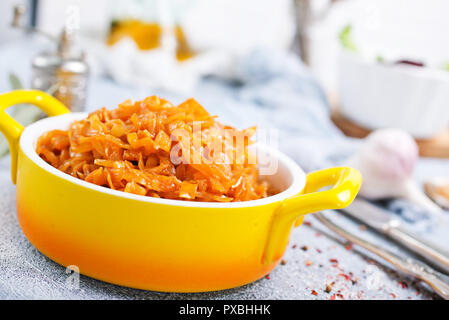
{"x":376,"y":95}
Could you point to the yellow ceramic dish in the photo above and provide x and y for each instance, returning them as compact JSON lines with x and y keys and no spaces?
{"x":151,"y":243}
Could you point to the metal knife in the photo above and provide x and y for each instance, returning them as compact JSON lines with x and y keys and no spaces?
{"x":383,"y":221}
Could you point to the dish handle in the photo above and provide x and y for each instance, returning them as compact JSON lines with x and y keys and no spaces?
{"x":12,"y":129}
{"x":346,"y":183}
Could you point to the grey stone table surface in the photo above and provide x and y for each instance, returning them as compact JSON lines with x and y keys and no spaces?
{"x":314,"y":260}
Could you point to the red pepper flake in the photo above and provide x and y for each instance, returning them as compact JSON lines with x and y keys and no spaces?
{"x":345,"y":276}
{"x":267,"y":277}
{"x":317,"y":234}
{"x":308,"y":223}
{"x":393,"y":295}
{"x":318,"y":250}
{"x":283,"y":262}
{"x":348,"y":246}
{"x":333,"y":297}
{"x":304,"y":248}
{"x":308,"y":263}
{"x":403,"y":285}
{"x":340,"y":296}
{"x":334,"y":262}
{"x":294,"y":246}
{"x":314,"y":293}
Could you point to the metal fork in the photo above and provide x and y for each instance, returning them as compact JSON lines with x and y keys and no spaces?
{"x":411,"y":267}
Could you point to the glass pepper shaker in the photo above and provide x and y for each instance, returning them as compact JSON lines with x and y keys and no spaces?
{"x":63,"y":71}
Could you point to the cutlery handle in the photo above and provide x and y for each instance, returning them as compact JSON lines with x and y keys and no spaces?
{"x":435,"y":256}
{"x":437,"y":281}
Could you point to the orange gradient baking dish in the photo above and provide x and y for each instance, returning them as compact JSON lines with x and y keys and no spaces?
{"x":153,"y":243}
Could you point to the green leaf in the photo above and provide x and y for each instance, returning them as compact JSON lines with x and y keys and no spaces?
{"x":346,"y":40}
{"x":15,"y":82}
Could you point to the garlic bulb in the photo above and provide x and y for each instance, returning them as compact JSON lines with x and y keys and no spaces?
{"x":386,"y":160}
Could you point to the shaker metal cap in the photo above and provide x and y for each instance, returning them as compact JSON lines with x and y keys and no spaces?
{"x":51,"y":61}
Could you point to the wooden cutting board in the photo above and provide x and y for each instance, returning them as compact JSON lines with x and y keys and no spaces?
{"x":436,"y":147}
